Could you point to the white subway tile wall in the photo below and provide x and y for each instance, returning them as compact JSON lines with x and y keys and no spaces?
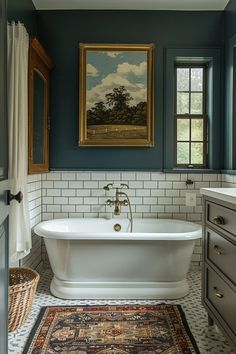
{"x":228,"y":181}
{"x":34,"y":258}
{"x":152,"y":195}
{"x":81,"y":194}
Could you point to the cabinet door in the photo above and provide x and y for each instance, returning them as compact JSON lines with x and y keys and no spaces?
{"x":4,"y":185}
{"x":39,"y":66}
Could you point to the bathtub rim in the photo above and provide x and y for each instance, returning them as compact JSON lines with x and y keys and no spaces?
{"x":122,"y":236}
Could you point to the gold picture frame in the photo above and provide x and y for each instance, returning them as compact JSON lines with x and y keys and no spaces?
{"x":116,"y":95}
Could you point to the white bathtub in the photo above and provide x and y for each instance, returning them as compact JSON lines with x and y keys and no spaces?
{"x":91,"y":260}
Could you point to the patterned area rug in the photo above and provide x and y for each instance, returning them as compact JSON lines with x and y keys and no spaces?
{"x":160,"y":329}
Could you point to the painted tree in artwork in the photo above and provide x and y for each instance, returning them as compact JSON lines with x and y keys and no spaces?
{"x":97,"y":114}
{"x":117,"y":110}
{"x":119,"y":98}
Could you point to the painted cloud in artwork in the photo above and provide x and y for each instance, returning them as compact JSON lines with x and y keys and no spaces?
{"x":127,"y":68}
{"x":112,"y":54}
{"x":107,"y":72}
{"x":91,"y":70}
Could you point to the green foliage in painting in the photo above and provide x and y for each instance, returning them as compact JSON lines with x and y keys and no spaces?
{"x":118,"y":110}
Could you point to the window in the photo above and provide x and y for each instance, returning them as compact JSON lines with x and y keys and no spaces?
{"x":190,"y":116}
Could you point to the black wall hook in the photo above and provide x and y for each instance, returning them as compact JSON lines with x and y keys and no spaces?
{"x":18,"y":197}
{"x":188,"y":182}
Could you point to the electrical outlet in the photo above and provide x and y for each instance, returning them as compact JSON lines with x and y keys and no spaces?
{"x":190,"y":199}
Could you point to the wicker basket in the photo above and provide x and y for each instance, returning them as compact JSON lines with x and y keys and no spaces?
{"x":22,"y":286}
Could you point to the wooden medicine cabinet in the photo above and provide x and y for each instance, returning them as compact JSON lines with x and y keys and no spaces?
{"x":40,"y":66}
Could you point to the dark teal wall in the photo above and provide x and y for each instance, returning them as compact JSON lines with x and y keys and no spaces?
{"x":62,"y":31}
{"x":230,"y":69}
{"x":230,"y":19}
{"x":24,"y":11}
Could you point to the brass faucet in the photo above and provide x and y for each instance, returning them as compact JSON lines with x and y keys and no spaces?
{"x":117,"y":202}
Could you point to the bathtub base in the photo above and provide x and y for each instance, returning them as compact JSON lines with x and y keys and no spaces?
{"x":119,"y":290}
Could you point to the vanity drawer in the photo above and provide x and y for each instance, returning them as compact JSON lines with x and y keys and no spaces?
{"x":221,"y":217}
{"x":223,"y":298}
{"x":221,"y":252}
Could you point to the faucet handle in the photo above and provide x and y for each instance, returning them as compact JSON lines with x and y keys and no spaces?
{"x":109,"y":202}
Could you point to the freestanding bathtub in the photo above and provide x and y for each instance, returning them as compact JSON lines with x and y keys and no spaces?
{"x":90,"y":259}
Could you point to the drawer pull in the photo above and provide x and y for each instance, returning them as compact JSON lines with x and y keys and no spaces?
{"x":218,"y":250}
{"x":219,"y":220}
{"x":217,"y":293}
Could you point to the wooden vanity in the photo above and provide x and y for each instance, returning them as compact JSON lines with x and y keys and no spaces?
{"x":219,"y":259}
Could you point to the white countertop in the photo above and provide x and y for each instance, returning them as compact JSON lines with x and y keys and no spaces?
{"x":225,"y":194}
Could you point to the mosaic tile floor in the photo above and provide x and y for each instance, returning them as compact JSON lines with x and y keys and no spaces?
{"x":209,"y":339}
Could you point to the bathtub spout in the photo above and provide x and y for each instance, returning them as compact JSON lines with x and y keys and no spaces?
{"x":117,"y":210}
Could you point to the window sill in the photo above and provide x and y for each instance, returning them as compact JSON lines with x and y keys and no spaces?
{"x":230,"y":172}
{"x":191,"y":170}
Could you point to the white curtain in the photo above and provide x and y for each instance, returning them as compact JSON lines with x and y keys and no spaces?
{"x":19,"y":225}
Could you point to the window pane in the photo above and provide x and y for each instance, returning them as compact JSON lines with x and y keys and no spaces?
{"x":182,"y":79}
{"x":182,"y":103}
{"x":196,"y":103}
{"x":183,"y":129}
{"x":182,"y":153}
{"x":197,"y":129}
{"x":197,"y":79}
{"x":197,"y":153}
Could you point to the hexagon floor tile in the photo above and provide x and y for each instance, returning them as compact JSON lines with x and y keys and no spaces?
{"x":209,"y":339}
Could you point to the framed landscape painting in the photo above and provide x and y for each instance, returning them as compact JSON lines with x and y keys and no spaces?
{"x":116,"y":95}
